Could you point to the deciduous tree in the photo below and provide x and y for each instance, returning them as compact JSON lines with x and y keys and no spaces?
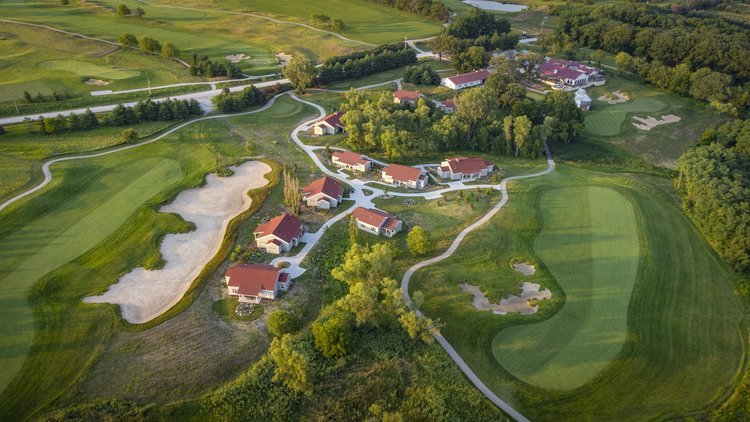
{"x":300,"y":71}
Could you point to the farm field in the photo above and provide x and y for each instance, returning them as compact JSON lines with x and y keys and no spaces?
{"x":690,"y":358}
{"x":110,"y":201}
{"x":660,"y":146}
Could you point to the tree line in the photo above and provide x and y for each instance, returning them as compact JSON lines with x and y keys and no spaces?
{"x":143,"y":111}
{"x":421,"y":75}
{"x":359,"y":64}
{"x":713,"y":179}
{"x":227,"y":102}
{"x":149,"y":45}
{"x":203,"y":66}
{"x":433,"y":9}
{"x":497,"y":118}
{"x":666,"y":48}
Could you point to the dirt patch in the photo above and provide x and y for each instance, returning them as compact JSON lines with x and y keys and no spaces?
{"x":619,"y":97}
{"x":143,"y":294}
{"x":236,"y":58}
{"x":523,"y":267}
{"x":650,"y":122}
{"x":517,"y":304}
{"x":96,"y":82}
{"x":284,"y":59}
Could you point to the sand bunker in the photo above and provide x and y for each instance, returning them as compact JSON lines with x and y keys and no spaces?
{"x":142,"y":294}
{"x":513,"y":303}
{"x":523,"y":267}
{"x":650,"y":122}
{"x":236,"y":58}
{"x":284,"y":59}
{"x":97,"y":82}
{"x":620,"y":98}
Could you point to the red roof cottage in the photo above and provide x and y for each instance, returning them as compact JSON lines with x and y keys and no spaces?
{"x":376,"y":222}
{"x":251,"y":283}
{"x":351,"y":161}
{"x":279,"y":234}
{"x":329,"y":125}
{"x":401,"y":96}
{"x":409,"y":177}
{"x":323,"y":193}
{"x":462,"y":168}
{"x":466,"y":80}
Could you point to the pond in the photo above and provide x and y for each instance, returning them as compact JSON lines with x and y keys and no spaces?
{"x":493,"y":5}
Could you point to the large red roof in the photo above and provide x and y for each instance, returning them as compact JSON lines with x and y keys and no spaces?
{"x":350,"y":158}
{"x":284,"y":226}
{"x":326,"y":185}
{"x":251,"y":279}
{"x":466,"y":165}
{"x":406,"y":95}
{"x":403,"y":173}
{"x":333,"y":119}
{"x":375,"y":217}
{"x":477,"y":75}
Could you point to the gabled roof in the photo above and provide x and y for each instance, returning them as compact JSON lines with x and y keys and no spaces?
{"x":251,"y":279}
{"x":326,"y":185}
{"x":449,"y":103}
{"x":406,"y":95}
{"x":350,"y":158}
{"x":403,"y":173}
{"x":284,"y":226}
{"x":466,"y":165}
{"x":564,"y":69}
{"x":333,"y":119}
{"x":477,"y":75}
{"x":374,"y":217}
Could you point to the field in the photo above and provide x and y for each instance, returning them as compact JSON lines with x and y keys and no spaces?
{"x":682,"y":317}
{"x":662,"y":145}
{"x":107,"y":202}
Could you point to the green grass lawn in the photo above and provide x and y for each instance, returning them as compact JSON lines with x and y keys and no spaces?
{"x":683,"y":320}
{"x":662,"y":145}
{"x":95,"y":221}
{"x":589,"y":243}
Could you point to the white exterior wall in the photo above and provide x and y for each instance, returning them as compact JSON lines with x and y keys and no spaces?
{"x":265,"y":243}
{"x":362,"y":168}
{"x":368,"y":228}
{"x":320,"y":201}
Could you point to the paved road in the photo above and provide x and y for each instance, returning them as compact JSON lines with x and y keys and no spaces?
{"x":155,"y":88}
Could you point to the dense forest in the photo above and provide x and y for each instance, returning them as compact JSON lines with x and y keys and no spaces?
{"x":363,"y":63}
{"x":693,"y":55}
{"x":434,"y":9}
{"x":714,"y":182}
{"x":498,"y":118}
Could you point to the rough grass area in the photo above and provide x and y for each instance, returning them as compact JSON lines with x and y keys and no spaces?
{"x":684,"y":321}
{"x":661,"y":146}
{"x":589,"y":243}
{"x":227,"y":308}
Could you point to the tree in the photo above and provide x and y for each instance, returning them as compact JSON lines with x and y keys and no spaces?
{"x":292,"y":193}
{"x":416,"y":327}
{"x":333,"y":334}
{"x":474,"y":58}
{"x":521,"y":131}
{"x":300,"y":71}
{"x":292,"y":366}
{"x":418,"y":241}
{"x":2,"y":130}
{"x":65,"y":2}
{"x":281,"y":322}
{"x":474,"y":107}
{"x":353,"y":230}
{"x":708,"y":85}
{"x":444,"y":45}
{"x":139,"y":12}
{"x":128,"y":40}
{"x":129,"y":136}
{"x":169,"y":50}
{"x":362,"y":302}
{"x":123,"y":10}
{"x":597,"y":56}
{"x":27,"y":97}
{"x":149,"y":45}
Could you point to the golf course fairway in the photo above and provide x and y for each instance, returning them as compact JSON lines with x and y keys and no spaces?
{"x":589,"y":242}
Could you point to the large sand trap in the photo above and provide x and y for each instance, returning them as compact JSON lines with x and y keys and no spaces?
{"x":236,"y":58}
{"x":142,"y":294}
{"x":523,"y":267}
{"x":284,"y":59}
{"x":650,"y":122}
{"x":97,"y":82}
{"x":620,"y":98}
{"x":513,"y":303}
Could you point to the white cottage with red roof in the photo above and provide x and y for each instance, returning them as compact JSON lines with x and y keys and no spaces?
{"x":279,"y":234}
{"x":329,"y":125}
{"x":324,"y":193}
{"x":466,"y":80}
{"x":377,"y":222}
{"x":351,"y":161}
{"x":463,"y":168}
{"x":408,"y":177}
{"x":401,"y":97}
{"x":251,"y":283}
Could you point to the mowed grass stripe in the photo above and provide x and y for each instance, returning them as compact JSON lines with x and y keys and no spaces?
{"x":101,"y":203}
{"x":589,"y":242}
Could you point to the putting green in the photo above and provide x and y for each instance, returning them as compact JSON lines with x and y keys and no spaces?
{"x":106,"y":199}
{"x":589,"y":242}
{"x":608,"y":120}
{"x":89,"y":69}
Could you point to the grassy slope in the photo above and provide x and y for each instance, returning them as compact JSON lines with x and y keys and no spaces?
{"x":589,"y":242}
{"x":676,"y":359}
{"x":107,"y":201}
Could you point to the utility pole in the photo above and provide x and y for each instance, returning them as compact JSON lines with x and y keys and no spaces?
{"x":149,"y":85}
